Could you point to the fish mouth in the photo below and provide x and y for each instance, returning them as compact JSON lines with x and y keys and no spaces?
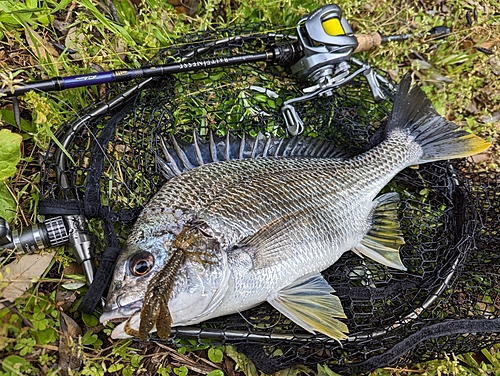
{"x":117,"y":313}
{"x":129,"y":316}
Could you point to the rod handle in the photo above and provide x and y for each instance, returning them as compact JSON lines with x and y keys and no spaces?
{"x":367,"y":42}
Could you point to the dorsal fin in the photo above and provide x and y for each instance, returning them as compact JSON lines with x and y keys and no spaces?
{"x":178,"y":156}
{"x":187,"y":165}
{"x":196,"y":140}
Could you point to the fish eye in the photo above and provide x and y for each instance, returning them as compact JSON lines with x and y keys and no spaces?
{"x":141,"y":263}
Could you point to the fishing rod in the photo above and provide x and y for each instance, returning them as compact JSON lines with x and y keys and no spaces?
{"x":323,"y":31}
{"x":320,"y":55}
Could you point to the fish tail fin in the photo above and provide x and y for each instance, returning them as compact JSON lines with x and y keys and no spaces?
{"x":439,"y":139}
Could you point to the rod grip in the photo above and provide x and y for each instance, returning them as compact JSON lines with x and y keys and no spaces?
{"x":368,"y":42}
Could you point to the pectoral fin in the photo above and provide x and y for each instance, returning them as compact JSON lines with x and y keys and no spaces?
{"x":385,"y":237}
{"x":309,"y":303}
{"x":271,"y":244}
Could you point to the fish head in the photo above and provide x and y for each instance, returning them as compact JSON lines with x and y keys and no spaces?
{"x":136,"y":265}
{"x":193,"y":289}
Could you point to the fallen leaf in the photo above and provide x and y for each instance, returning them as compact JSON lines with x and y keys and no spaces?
{"x":74,"y":41}
{"x":39,"y":46}
{"x":492,"y":118}
{"x":490,"y":43}
{"x":494,"y":64}
{"x":16,"y":277}
{"x":70,"y":348}
{"x":483,"y":157}
{"x":189,"y":7}
{"x":120,"y":48}
{"x":41,"y":49}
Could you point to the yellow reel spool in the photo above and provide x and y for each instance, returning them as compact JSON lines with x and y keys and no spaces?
{"x":333,"y":27}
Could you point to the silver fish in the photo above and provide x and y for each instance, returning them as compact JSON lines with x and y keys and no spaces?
{"x":223,"y":237}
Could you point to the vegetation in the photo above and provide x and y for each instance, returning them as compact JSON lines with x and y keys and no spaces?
{"x":460,"y":74}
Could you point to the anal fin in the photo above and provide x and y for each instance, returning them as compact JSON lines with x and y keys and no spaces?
{"x":384,"y":239}
{"x":309,"y":303}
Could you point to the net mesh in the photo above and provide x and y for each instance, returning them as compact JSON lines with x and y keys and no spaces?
{"x":447,"y":301}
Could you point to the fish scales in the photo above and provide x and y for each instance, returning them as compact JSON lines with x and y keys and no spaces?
{"x":262,"y":229}
{"x":269,"y":188}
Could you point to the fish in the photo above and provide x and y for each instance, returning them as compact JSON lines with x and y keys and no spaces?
{"x":222,"y":237}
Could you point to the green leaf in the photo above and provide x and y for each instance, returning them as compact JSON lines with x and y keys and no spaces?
{"x":9,"y":20}
{"x":8,"y":205}
{"x":163,"y":371}
{"x":62,"y":4}
{"x":57,"y":142}
{"x":127,"y":371}
{"x":90,"y":320}
{"x":126,"y":11}
{"x":295,"y":370}
{"x":115,"y":367}
{"x":215,"y":372}
{"x":111,"y":26}
{"x":14,"y":363}
{"x":32,"y":4}
{"x":10,"y":153}
{"x":243,"y":364}
{"x":215,"y":355}
{"x":89,"y":338}
{"x":46,"y":336}
{"x":45,"y":19}
{"x":325,"y":371}
{"x":8,"y":117}
{"x":181,"y":371}
{"x":135,"y":361}
{"x":491,"y":357}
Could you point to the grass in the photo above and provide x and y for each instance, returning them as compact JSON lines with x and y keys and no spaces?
{"x":459,"y":73}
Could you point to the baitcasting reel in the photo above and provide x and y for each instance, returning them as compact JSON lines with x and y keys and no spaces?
{"x":327,"y":43}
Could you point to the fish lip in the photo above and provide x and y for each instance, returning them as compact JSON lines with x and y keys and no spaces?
{"x":119,"y":313}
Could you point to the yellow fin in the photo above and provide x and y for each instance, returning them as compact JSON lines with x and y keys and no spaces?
{"x":309,"y":303}
{"x":384,"y":239}
{"x":439,"y":139}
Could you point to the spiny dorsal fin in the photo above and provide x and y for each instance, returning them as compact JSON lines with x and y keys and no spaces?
{"x":384,"y":239}
{"x":196,"y":145}
{"x":179,"y":156}
{"x":187,"y":165}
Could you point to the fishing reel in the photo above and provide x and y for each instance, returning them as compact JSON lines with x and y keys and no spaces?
{"x":327,"y":40}
{"x":50,"y":233}
{"x":53,"y":232}
{"x":327,"y":43}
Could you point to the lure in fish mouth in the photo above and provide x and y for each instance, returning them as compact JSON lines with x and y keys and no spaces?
{"x":225,"y":236}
